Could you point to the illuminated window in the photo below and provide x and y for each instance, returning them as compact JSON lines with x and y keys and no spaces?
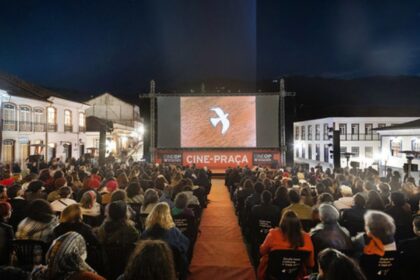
{"x":396,"y":147}
{"x":52,"y":115}
{"x":9,"y":117}
{"x":39,"y":119}
{"x":82,"y":120}
{"x":25,"y":118}
{"x":67,"y":117}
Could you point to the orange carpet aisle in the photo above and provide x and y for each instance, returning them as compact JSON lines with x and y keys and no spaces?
{"x":219,"y":251}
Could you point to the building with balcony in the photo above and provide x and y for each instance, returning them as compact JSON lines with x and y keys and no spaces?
{"x":404,"y":137}
{"x":38,"y":121}
{"x":358,"y":135}
{"x":126,"y":138}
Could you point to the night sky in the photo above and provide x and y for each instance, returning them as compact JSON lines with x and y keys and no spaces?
{"x":118,"y":46}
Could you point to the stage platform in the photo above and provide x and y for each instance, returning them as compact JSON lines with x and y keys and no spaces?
{"x":218,"y":172}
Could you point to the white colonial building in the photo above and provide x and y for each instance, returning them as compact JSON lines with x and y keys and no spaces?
{"x":357,"y":135}
{"x":37,"y":121}
{"x":397,"y":138}
{"x":127,"y":132}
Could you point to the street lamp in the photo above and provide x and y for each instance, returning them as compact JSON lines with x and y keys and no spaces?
{"x":410,"y":155}
{"x":347,"y":155}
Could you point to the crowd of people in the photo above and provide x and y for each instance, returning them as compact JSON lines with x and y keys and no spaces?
{"x":341,"y":224}
{"x":118,"y":221}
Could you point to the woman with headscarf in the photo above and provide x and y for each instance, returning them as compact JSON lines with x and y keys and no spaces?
{"x":66,"y":260}
{"x":40,"y":222}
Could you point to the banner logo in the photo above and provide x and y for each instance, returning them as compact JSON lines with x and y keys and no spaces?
{"x":221,"y":118}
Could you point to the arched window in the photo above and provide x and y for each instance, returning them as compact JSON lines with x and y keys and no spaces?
{"x":25,"y":123}
{"x":82,"y":122}
{"x":68,"y":125}
{"x":39,"y":119}
{"x":9,"y":117}
{"x":52,"y":118}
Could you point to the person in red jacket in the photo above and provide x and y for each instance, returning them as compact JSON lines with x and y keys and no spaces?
{"x":289,"y":235}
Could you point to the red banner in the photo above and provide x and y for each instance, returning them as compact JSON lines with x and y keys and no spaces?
{"x":221,"y":159}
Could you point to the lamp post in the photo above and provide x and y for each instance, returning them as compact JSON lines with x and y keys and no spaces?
{"x":347,"y":155}
{"x":410,"y":155}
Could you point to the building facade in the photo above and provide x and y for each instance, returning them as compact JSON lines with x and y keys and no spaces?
{"x":312,"y":144}
{"x":396,"y":142}
{"x":127,"y":133}
{"x":36,"y":121}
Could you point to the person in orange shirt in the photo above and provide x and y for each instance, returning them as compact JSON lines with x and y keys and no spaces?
{"x":289,"y":235}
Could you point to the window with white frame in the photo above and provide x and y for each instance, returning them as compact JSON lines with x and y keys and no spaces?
{"x":52,"y":115}
{"x":368,"y":152}
{"x":355,"y":151}
{"x":67,"y":118}
{"x":303,"y":135}
{"x":396,"y":147}
{"x":25,"y":118}
{"x":309,"y":132}
{"x":297,"y":132}
{"x":39,"y":119}
{"x":82,"y":119}
{"x":9,"y":117}
{"x":52,"y":118}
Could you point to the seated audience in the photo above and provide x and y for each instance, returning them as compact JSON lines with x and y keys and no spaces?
{"x":64,"y":193}
{"x":117,"y":228}
{"x":159,"y":225}
{"x":281,"y":198}
{"x":374,"y":201}
{"x":346,"y":201}
{"x":265,"y":211}
{"x":400,"y":211}
{"x":379,"y":235}
{"x":180,"y":208}
{"x":134,"y":193}
{"x":151,"y":260}
{"x":66,"y":259}
{"x":151,"y":198}
{"x":89,"y":205}
{"x":40,"y":222}
{"x":18,"y":203}
{"x":410,"y":253}
{"x":13,"y":273}
{"x":35,"y":191}
{"x":333,"y":265}
{"x":353,"y":218}
{"x":71,"y":220}
{"x":328,"y":233}
{"x":303,"y":211}
{"x":288,"y":236}
{"x":6,"y":233}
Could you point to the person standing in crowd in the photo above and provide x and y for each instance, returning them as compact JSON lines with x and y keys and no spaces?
{"x":151,"y":198}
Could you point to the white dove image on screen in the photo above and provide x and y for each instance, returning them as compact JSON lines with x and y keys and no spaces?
{"x":222,"y":117}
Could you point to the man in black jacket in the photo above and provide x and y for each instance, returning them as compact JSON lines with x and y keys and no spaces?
{"x":410,"y":253}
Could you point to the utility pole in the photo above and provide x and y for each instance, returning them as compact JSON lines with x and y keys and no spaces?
{"x":283,"y":95}
{"x":152,"y":95}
